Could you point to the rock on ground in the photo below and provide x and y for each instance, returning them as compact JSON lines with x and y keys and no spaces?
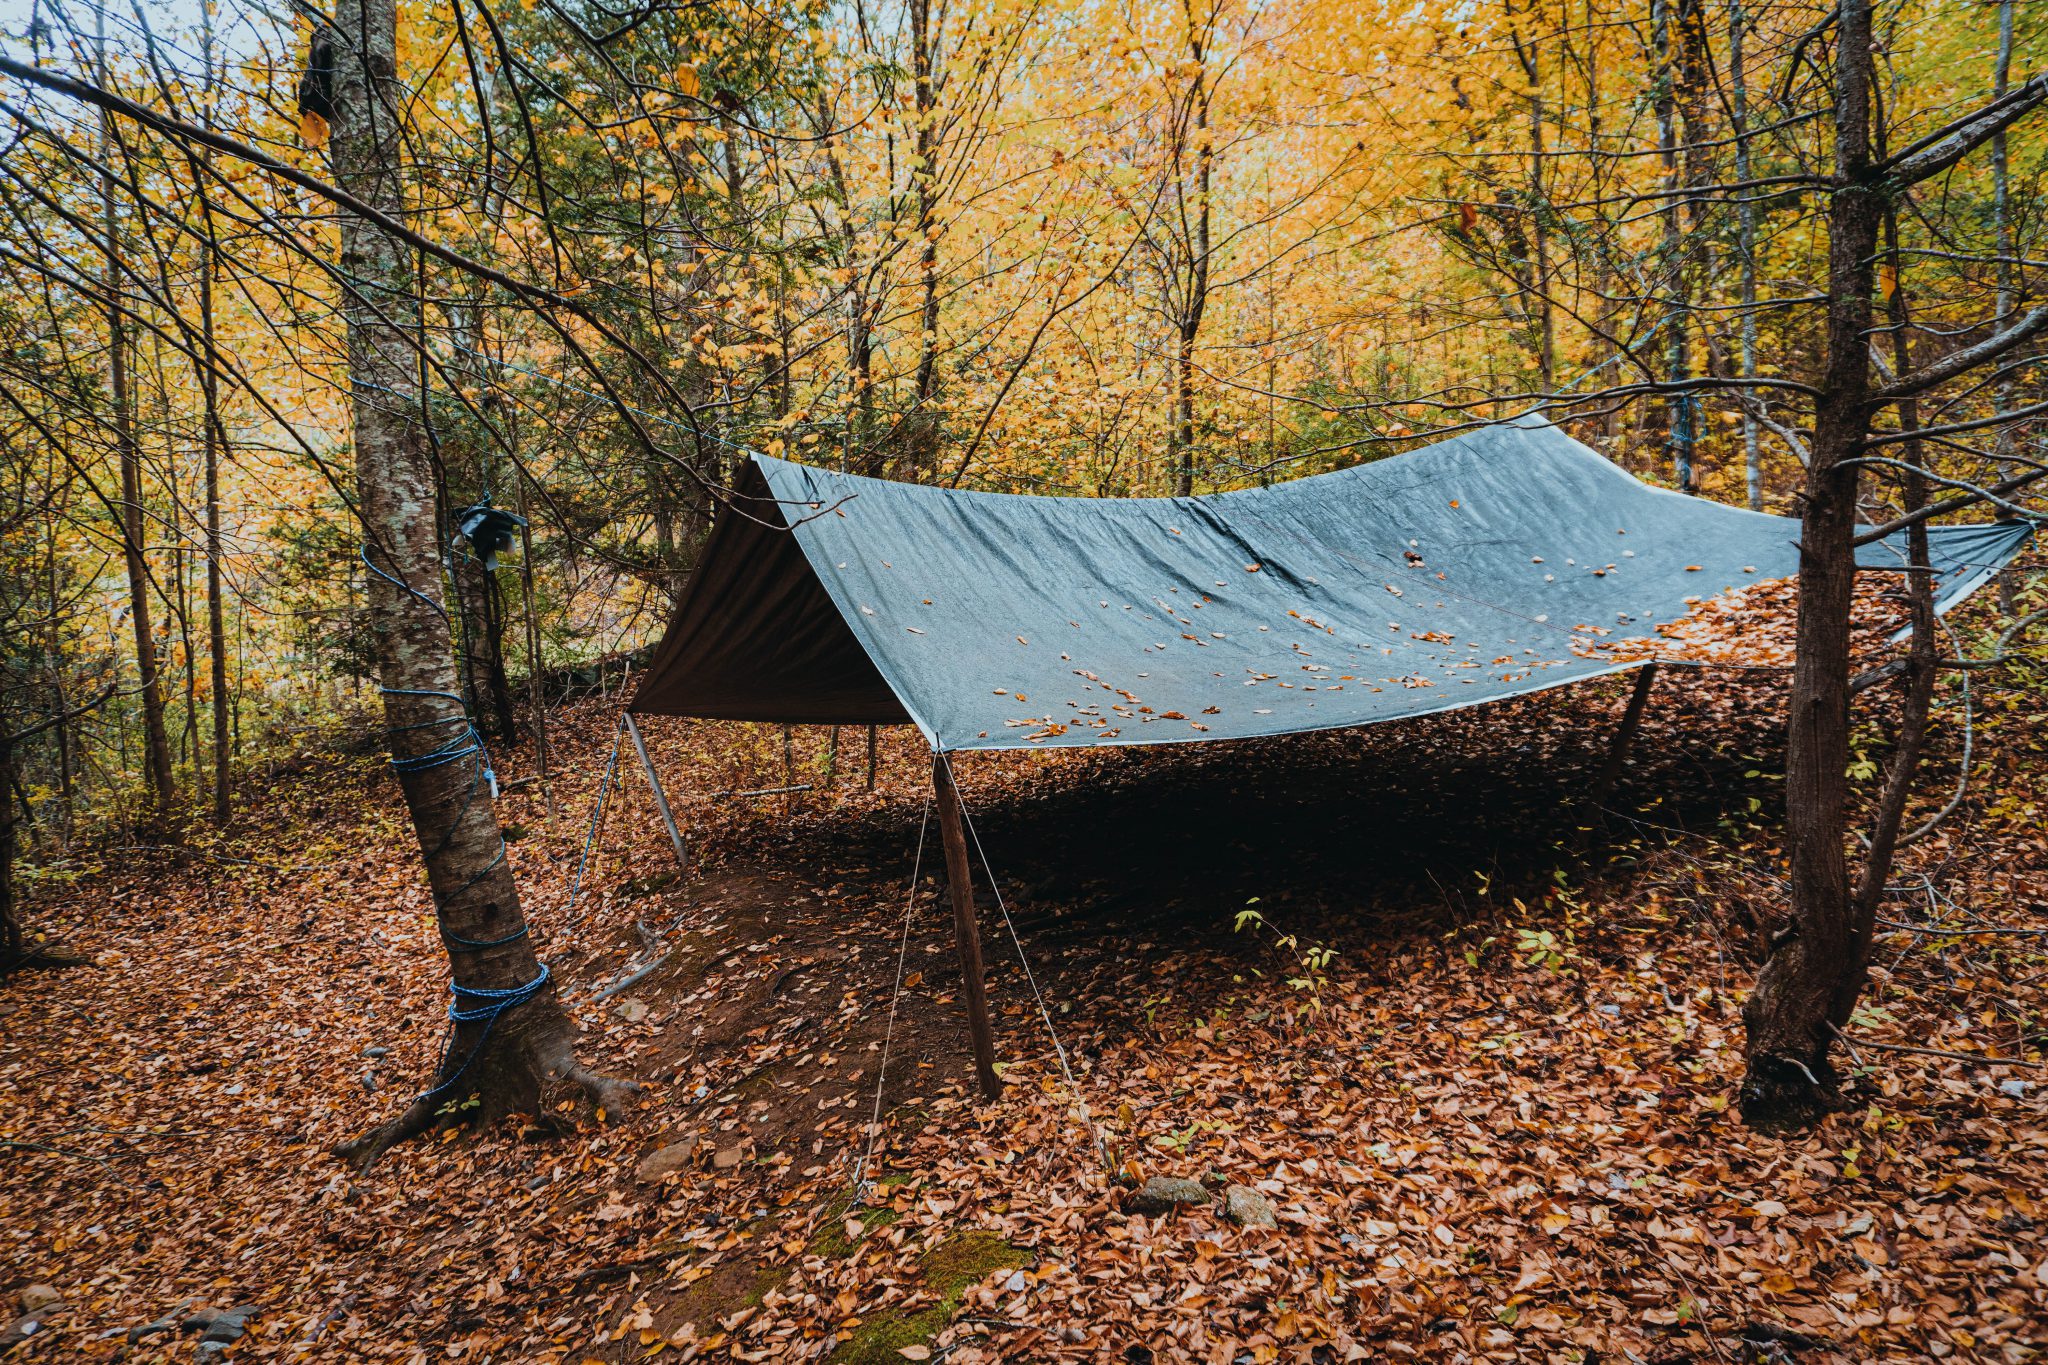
{"x":144,"y":1330}
{"x":665,"y":1161}
{"x":219,"y":1326}
{"x":36,"y":1297}
{"x":1164,"y":1193}
{"x":1247,"y":1208}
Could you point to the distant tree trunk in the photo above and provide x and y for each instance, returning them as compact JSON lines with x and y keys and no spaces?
{"x":11,"y":938}
{"x":53,"y":650}
{"x":536,"y":669}
{"x":181,"y":606}
{"x":216,"y":606}
{"x":2001,"y":224}
{"x":1530,"y":54}
{"x":156,"y":738}
{"x":483,"y":639}
{"x":1814,"y":972}
{"x":1745,"y":248}
{"x":510,"y":1033}
{"x":215,"y":442}
{"x":1678,"y":406}
{"x":923,"y":442}
{"x":1195,"y":301}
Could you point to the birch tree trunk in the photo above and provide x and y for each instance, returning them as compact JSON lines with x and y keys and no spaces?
{"x":509,"y":1032}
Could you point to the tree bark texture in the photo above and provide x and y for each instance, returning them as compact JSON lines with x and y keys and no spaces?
{"x":156,"y":737}
{"x":509,"y":1031}
{"x":1808,"y":983}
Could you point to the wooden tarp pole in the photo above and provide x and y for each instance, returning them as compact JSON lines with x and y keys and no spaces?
{"x":966,"y":931}
{"x":871,"y":758}
{"x":1625,"y":736}
{"x":675,"y":836}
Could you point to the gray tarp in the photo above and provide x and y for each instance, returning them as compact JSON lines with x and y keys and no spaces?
{"x":1456,"y":574}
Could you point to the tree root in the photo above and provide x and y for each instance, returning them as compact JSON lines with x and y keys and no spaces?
{"x":607,"y":1094}
{"x":362,"y":1152}
{"x":50,"y":956}
{"x":509,"y":1078}
{"x":1783,"y":1095}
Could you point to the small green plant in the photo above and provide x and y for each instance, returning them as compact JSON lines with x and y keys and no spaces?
{"x":1312,"y":961}
{"x":455,"y":1108}
{"x":1542,"y":948}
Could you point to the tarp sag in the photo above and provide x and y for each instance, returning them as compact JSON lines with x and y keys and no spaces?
{"x":1456,"y":574}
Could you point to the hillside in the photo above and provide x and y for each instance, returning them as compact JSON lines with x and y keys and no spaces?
{"x":1494,"y":1123}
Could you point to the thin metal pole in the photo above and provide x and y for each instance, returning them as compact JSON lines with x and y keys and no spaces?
{"x":871,"y":758}
{"x":966,"y":931}
{"x":788,"y":766}
{"x":675,"y":835}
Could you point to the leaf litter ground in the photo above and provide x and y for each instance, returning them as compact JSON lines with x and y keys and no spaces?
{"x":1495,"y":1126}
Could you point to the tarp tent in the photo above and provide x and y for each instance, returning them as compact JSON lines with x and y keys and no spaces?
{"x":1474,"y":569}
{"x":1478,"y":568}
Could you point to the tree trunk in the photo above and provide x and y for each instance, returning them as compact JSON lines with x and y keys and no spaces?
{"x":1196,"y":301}
{"x":1678,"y":406}
{"x":10,"y":926}
{"x":216,"y":607}
{"x":509,"y":1032}
{"x":923,"y":442}
{"x":53,"y":651}
{"x":1805,"y":988}
{"x":2001,"y":225}
{"x":1922,"y":663}
{"x":1745,"y":249}
{"x":483,"y":638}
{"x":156,"y":738}
{"x":1530,"y":54}
{"x":215,"y":439}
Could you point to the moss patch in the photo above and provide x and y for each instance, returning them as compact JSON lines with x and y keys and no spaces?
{"x":950,"y":1269}
{"x":725,"y":1291}
{"x":831,"y":1239}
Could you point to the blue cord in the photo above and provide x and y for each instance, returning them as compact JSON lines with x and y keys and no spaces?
{"x":401,"y":584}
{"x":597,"y":814}
{"x":467,"y":1004}
{"x":492,"y":1004}
{"x":466,"y":745}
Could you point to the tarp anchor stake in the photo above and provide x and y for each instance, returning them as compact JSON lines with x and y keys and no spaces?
{"x":675,"y":836}
{"x":966,"y":931}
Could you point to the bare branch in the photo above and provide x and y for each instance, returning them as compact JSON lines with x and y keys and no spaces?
{"x":1945,"y":146}
{"x":2030,"y":324}
{"x":1946,"y":505}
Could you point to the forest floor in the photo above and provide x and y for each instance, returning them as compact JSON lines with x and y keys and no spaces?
{"x":1494,"y":1123}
